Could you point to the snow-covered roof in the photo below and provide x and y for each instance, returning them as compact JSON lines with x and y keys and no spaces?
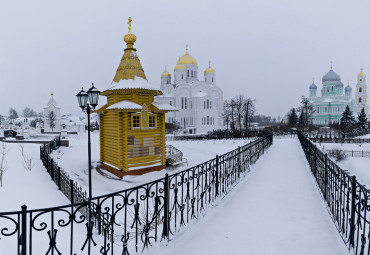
{"x":125,"y":105}
{"x":200,"y":94}
{"x":137,"y":83}
{"x":164,"y":106}
{"x":52,"y":102}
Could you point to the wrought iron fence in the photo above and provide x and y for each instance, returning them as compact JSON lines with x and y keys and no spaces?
{"x":347,"y":200}
{"x":135,"y":217}
{"x":352,"y":153}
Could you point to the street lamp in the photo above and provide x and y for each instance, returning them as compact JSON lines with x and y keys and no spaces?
{"x":92,"y":95}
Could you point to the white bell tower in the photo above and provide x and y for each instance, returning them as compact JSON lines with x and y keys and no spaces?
{"x":361,"y":93}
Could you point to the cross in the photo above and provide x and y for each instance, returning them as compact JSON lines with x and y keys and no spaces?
{"x":331,"y":65}
{"x":209,"y":63}
{"x":129,"y":24}
{"x":186,"y":49}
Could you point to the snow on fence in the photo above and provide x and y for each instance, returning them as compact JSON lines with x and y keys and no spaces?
{"x":128,"y":220}
{"x":347,"y":200}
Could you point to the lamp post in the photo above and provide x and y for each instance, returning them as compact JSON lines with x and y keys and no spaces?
{"x":92,"y":95}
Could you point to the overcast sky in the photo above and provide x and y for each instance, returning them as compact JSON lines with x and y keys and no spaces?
{"x":266,"y":50}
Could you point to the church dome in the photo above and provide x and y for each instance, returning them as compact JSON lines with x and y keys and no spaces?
{"x":187,"y":59}
{"x":331,"y":76}
{"x":165,"y":73}
{"x":361,"y":73}
{"x":313,"y":86}
{"x":179,"y":66}
{"x":209,"y":69}
{"x":339,"y":84}
{"x":348,"y":88}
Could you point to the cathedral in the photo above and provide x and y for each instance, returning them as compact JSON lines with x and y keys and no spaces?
{"x":328,"y":108}
{"x":199,"y":102}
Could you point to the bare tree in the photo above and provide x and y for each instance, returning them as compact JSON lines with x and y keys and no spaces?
{"x":226,"y":114}
{"x":13,"y":114}
{"x":28,"y":112}
{"x":239,"y":101}
{"x":51,"y":118}
{"x":27,"y":161}
{"x":249,"y":111}
{"x":3,"y":166}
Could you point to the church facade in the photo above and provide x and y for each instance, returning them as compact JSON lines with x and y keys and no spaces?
{"x":199,"y":103}
{"x":328,"y":107}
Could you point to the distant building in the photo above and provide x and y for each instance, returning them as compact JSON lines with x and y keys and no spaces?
{"x":328,"y":107}
{"x":52,"y":117}
{"x":199,"y":102}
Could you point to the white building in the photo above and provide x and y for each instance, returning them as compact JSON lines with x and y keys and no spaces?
{"x":199,"y":102}
{"x":361,"y":93}
{"x":52,"y":116}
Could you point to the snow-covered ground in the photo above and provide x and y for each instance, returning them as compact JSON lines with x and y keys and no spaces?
{"x":20,"y":186}
{"x":74,"y":160}
{"x":276,"y":210}
{"x":36,"y":189}
{"x":355,"y":165}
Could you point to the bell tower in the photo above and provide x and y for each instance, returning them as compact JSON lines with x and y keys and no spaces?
{"x":361,"y":93}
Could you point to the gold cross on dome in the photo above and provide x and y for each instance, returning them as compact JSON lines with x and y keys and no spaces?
{"x":129,"y":24}
{"x":331,"y":65}
{"x":186,"y":49}
{"x":209,"y":63}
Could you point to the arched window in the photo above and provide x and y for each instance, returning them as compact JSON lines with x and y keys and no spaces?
{"x":182,"y":76}
{"x":204,"y":104}
{"x":186,"y":103}
{"x":182,"y":103}
{"x":207,"y":120}
{"x":192,"y":74}
{"x":188,"y":73}
{"x":212,"y":79}
{"x":360,"y":89}
{"x":360,"y":100}
{"x":207,"y":104}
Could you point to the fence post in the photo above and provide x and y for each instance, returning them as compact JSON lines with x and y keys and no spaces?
{"x":52,"y":169}
{"x":326,"y":175}
{"x":71,"y":191}
{"x":59,"y":177}
{"x":24,"y":231}
{"x":166,"y":208}
{"x":217,"y":171}
{"x":353,"y":212}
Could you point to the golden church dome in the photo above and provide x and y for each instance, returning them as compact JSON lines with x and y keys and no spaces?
{"x":180,"y":66}
{"x":129,"y":38}
{"x":209,"y":69}
{"x":165,"y":73}
{"x":361,"y":73}
{"x":187,"y":59}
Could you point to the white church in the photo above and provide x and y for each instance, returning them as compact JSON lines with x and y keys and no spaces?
{"x":200,"y":103}
{"x":52,"y":120}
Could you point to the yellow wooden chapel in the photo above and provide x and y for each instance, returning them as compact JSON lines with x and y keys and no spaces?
{"x":132,"y":124}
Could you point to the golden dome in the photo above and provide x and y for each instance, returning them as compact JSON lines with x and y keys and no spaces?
{"x":361,"y":73}
{"x":165,"y":73}
{"x":129,"y":38}
{"x":179,"y":66}
{"x":187,"y":59}
{"x":209,"y":69}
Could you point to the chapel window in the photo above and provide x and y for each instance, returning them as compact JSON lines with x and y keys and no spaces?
{"x":152,"y":121}
{"x":188,"y":73}
{"x":360,"y":100}
{"x":136,"y":121}
{"x":360,"y":89}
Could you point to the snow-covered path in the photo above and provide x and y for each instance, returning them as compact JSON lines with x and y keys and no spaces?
{"x":277,"y":209}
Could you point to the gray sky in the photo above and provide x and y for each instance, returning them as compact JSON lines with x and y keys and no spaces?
{"x":267,"y":50}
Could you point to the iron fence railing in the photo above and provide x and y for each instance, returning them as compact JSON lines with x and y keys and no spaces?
{"x":347,"y":200}
{"x":352,"y":153}
{"x":136,"y":217}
